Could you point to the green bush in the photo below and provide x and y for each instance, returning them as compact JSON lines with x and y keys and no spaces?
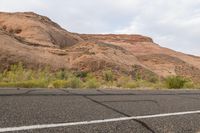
{"x":32,"y":84}
{"x":127,"y":82}
{"x":75,"y":82}
{"x":62,"y":75}
{"x":45,"y":74}
{"x":92,"y":83}
{"x":108,"y":75}
{"x":175,"y":82}
{"x":122,"y":81}
{"x":15,"y":73}
{"x":81,"y":74}
{"x":138,"y":76}
{"x":60,"y":84}
{"x":18,"y":76}
{"x":132,"y":84}
{"x":197,"y":86}
{"x":153,"y":79}
{"x":189,"y":85}
{"x":1,"y":76}
{"x":25,"y":84}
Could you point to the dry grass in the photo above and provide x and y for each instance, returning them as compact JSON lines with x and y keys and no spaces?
{"x":17,"y":76}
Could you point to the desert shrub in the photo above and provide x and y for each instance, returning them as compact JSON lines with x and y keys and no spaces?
{"x":6,"y":84}
{"x":138,"y":76}
{"x":15,"y":73}
{"x":17,"y":76}
{"x":122,"y":81}
{"x":81,"y":74}
{"x":32,"y":84}
{"x":175,"y":82}
{"x":62,"y":75}
{"x":89,"y":76}
{"x":149,"y":84}
{"x":138,"y":84}
{"x":59,"y":83}
{"x":30,"y":75}
{"x":127,"y":82}
{"x":189,"y":84}
{"x":75,"y":82}
{"x":132,"y":84}
{"x":45,"y":74}
{"x":197,"y":86}
{"x":108,"y":75}
{"x":1,"y":76}
{"x":158,"y":85}
{"x":25,"y":84}
{"x":92,"y":83}
{"x":153,"y":79}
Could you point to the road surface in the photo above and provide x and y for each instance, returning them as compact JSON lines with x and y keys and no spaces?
{"x":99,"y":111}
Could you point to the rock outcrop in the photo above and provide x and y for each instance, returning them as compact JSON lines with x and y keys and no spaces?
{"x":36,"y":41}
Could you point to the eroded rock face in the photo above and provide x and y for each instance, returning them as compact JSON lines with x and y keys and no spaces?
{"x":36,"y":41}
{"x":116,"y":38}
{"x":36,"y":29}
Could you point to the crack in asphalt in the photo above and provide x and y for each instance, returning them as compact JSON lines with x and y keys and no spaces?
{"x":103,"y":103}
{"x":28,"y":92}
{"x":115,"y":110}
{"x":132,"y":101}
{"x":122,"y":113}
{"x":101,"y":91}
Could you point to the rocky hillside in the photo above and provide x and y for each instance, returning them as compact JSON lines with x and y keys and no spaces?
{"x":37,"y":42}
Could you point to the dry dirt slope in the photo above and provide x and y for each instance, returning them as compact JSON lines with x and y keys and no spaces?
{"x":36,"y":41}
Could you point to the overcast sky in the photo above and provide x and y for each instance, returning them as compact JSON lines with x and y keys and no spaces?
{"x":171,"y":23}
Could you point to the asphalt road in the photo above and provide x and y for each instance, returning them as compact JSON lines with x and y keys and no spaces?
{"x":29,"y":107}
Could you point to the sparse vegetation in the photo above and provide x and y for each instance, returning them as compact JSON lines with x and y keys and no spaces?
{"x":58,"y":84}
{"x":92,"y":83}
{"x":108,"y":75}
{"x":75,"y":82}
{"x":110,"y":46}
{"x":25,"y":84}
{"x":81,"y":74}
{"x":131,"y":84}
{"x":175,"y":82}
{"x":18,"y":76}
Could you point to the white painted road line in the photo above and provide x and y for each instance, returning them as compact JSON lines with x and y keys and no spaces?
{"x":11,"y":129}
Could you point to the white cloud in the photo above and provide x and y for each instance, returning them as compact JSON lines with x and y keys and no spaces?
{"x":21,"y":5}
{"x":174,"y":24}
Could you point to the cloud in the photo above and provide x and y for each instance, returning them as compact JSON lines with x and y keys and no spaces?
{"x":21,"y":5}
{"x":173,"y":24}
